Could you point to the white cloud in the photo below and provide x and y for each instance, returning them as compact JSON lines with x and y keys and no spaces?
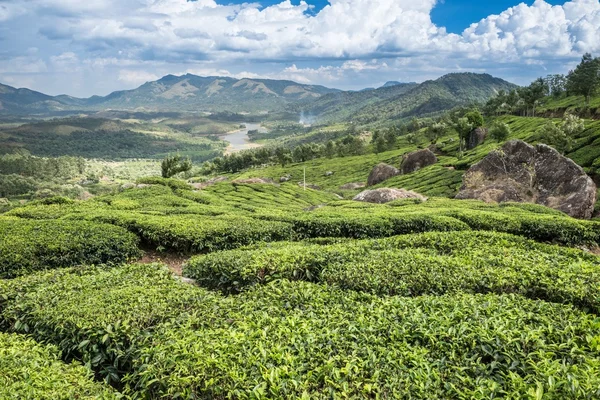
{"x":134,"y":77}
{"x":346,"y":40}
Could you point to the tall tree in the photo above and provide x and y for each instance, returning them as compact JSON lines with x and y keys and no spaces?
{"x":173,"y":165}
{"x":584,"y":80}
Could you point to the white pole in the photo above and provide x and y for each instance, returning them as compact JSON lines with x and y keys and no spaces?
{"x":305,"y":179}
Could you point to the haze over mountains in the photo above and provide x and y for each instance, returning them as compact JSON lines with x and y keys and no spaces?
{"x":212,"y":94}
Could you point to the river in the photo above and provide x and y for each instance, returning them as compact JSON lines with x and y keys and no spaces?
{"x":239,"y":140}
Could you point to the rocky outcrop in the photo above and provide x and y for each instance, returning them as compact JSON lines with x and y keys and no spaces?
{"x":380,"y":173}
{"x":523,"y":173}
{"x":210,"y":182}
{"x":353,"y":186}
{"x":285,"y":178}
{"x":385,"y":195}
{"x":476,"y":137}
{"x":416,"y":160}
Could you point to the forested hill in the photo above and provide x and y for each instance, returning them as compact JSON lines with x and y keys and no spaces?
{"x":172,"y":93}
{"x":408,"y":100}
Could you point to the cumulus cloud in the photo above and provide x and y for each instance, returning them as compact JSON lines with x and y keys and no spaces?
{"x":345,"y":39}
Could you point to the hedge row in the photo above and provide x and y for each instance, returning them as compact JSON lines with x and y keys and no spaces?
{"x":29,"y":370}
{"x":96,"y":315}
{"x":27,"y":246}
{"x":431,"y":263}
{"x":297,"y":340}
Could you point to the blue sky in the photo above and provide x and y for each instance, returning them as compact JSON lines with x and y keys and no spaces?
{"x":91,"y":47}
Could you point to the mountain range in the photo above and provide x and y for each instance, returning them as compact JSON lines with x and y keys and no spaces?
{"x":394,"y":100}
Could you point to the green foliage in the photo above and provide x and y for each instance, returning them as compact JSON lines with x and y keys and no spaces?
{"x":474,"y":118}
{"x":413,"y":265}
{"x":556,"y":137}
{"x":100,"y":322}
{"x":584,"y":80}
{"x":172,"y":165}
{"x":27,"y":245}
{"x":175,"y":184}
{"x":499,"y":131}
{"x":306,"y":341}
{"x":29,"y":370}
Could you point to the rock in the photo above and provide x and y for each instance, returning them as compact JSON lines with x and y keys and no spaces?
{"x":522,"y":173}
{"x":4,"y":201}
{"x":476,"y":137}
{"x":210,"y":182}
{"x":127,"y":185}
{"x":328,"y":173}
{"x":353,"y":186}
{"x":285,"y":178}
{"x":416,"y":160}
{"x":385,"y":195}
{"x":380,"y":173}
{"x":85,"y":195}
{"x":256,"y":181}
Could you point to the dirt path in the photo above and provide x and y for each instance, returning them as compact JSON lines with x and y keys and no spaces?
{"x":172,"y":260}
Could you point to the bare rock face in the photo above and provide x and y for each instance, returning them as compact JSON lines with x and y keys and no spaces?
{"x":385,"y":195}
{"x":353,"y":185}
{"x":523,"y":173}
{"x":416,"y":160}
{"x":476,"y":137}
{"x":210,"y":182}
{"x":380,"y":173}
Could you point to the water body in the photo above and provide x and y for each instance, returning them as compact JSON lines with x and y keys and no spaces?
{"x":239,"y":140}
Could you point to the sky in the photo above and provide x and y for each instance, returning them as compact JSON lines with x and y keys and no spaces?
{"x":94,"y":47}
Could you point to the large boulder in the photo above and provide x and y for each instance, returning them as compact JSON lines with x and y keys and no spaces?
{"x":385,"y":195}
{"x":476,"y":137}
{"x":380,"y":173}
{"x":523,"y":173}
{"x":416,"y":160}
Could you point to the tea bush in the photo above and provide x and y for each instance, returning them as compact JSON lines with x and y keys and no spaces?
{"x":297,"y":340}
{"x":431,"y":263}
{"x":29,"y":370}
{"x":96,"y":315}
{"x":172,"y":183}
{"x":32,"y":245}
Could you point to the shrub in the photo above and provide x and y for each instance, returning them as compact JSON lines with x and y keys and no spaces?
{"x":300,"y":341}
{"x":32,"y":245}
{"x":29,"y":370}
{"x":96,"y":315}
{"x":412,"y":265}
{"x":173,"y":183}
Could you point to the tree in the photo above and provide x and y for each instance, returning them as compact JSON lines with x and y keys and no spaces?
{"x":390,"y":138}
{"x":329,"y":149}
{"x":475,"y":119}
{"x":499,"y":131}
{"x":585,"y":79}
{"x":380,"y":145}
{"x":172,"y":165}
{"x":435,"y":131}
{"x":464,"y":127}
{"x":554,"y":136}
{"x":572,"y":125}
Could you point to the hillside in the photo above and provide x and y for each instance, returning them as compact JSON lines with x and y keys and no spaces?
{"x":172,"y":93}
{"x":406,"y":100}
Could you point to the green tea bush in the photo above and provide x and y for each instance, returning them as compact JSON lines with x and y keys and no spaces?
{"x":29,"y":370}
{"x":296,"y":340}
{"x":96,"y":315}
{"x":431,"y":263}
{"x":173,"y":183}
{"x":33,"y":245}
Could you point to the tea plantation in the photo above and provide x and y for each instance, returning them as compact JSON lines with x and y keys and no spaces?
{"x":294,"y":294}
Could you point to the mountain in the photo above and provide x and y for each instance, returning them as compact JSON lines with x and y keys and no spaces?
{"x":397,"y":102}
{"x":391,"y":83}
{"x":14,"y":101}
{"x":177,"y":93}
{"x":341,"y":106}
